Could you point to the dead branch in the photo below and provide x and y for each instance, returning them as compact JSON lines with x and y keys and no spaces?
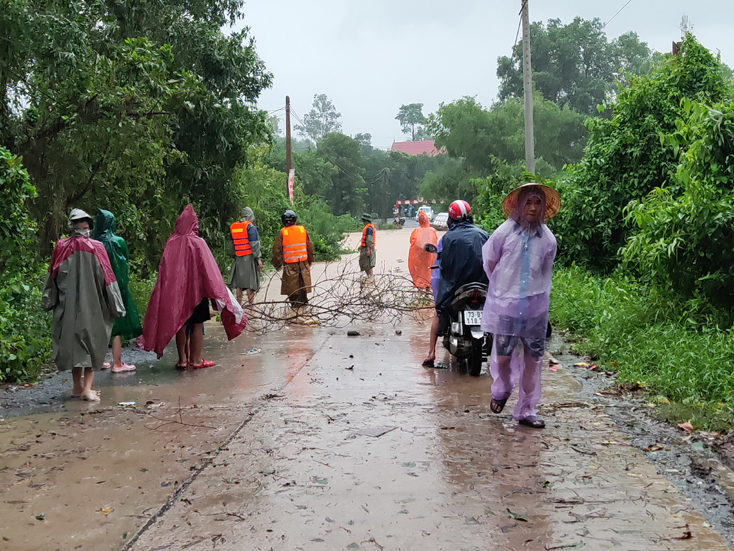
{"x":340,"y":296}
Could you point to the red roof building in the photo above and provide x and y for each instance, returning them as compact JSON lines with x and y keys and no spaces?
{"x":427,"y":147}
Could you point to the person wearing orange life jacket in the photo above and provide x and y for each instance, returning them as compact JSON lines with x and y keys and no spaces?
{"x":247,"y":263}
{"x":293,"y":251}
{"x":367,"y":252}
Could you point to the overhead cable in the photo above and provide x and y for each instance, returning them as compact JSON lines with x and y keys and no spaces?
{"x":616,"y":14}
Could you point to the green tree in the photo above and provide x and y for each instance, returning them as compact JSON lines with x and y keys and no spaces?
{"x":412,"y":120}
{"x":480,"y":136}
{"x":138,"y":106}
{"x":345,"y":190}
{"x":574,"y":64}
{"x":625,"y":158}
{"x":685,"y":230}
{"x":323,"y":119}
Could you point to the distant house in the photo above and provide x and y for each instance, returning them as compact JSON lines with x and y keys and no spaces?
{"x":427,"y":147}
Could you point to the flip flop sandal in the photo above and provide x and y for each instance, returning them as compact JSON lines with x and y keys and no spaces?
{"x":533,"y":422}
{"x":427,"y":363}
{"x":106,"y":365}
{"x":497,"y":405}
{"x":204,"y":363}
{"x":124,"y":368}
{"x":181,"y":366}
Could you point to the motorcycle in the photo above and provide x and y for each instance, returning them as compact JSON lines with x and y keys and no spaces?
{"x":399,"y":222}
{"x":464,"y":337}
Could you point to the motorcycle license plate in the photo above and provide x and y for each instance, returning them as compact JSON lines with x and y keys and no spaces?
{"x":473,"y":317}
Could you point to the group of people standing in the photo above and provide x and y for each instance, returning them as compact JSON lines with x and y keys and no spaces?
{"x":87,"y":288}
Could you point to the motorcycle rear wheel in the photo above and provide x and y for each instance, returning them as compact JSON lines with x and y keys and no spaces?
{"x":474,"y":361}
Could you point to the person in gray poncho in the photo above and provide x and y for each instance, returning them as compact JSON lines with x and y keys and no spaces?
{"x":247,"y":262}
{"x":83,"y":293}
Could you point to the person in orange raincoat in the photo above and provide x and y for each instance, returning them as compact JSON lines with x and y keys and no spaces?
{"x":420,"y":261}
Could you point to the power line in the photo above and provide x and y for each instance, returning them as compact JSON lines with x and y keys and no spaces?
{"x":322,"y":147}
{"x":616,"y":14}
{"x":326,"y":150}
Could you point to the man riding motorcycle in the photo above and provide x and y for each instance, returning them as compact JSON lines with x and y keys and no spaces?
{"x":459,"y":262}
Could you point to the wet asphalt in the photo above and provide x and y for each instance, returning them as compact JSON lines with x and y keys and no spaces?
{"x":307,"y":438}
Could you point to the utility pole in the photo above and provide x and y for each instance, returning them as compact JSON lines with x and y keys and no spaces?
{"x":528,"y":89}
{"x":288,"y":160}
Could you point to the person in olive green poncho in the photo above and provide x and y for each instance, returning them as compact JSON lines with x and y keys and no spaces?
{"x":128,"y":326}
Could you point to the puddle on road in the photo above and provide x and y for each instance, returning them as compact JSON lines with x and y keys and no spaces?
{"x":309,"y":472}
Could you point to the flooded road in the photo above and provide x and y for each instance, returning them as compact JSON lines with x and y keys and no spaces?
{"x":307,"y":438}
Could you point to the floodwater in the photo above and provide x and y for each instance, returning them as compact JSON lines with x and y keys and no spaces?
{"x":307,"y":438}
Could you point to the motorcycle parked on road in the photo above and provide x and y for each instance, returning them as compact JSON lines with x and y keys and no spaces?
{"x":464,"y":338}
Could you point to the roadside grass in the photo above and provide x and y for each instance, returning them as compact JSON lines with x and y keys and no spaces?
{"x":664,"y":345}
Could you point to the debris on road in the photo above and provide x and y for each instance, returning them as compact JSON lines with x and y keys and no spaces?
{"x":353,"y":333}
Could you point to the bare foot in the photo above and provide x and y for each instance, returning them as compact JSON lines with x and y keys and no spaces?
{"x":92,"y":396}
{"x":428,"y":362}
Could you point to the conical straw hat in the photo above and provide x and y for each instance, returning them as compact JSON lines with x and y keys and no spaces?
{"x":552,"y":200}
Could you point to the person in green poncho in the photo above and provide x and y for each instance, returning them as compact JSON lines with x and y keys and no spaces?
{"x":128,"y":326}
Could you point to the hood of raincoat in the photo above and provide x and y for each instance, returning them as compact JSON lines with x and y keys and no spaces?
{"x":248,"y":215}
{"x":460,"y":261}
{"x":104,"y":229}
{"x":187,"y":274}
{"x":423,"y":220}
{"x":187,"y":223}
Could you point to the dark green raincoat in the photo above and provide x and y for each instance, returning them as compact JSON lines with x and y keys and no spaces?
{"x":104,"y":231}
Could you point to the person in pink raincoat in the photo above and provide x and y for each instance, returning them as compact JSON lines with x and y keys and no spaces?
{"x":518,"y":259}
{"x":188,"y":279}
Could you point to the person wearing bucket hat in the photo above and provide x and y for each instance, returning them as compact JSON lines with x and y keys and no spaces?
{"x":367,"y":252}
{"x":247,"y":263}
{"x":82,"y":290}
{"x":518,"y":259}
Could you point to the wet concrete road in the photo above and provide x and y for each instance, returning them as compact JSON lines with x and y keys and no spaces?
{"x":324,"y":441}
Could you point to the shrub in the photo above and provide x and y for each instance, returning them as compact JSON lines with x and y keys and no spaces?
{"x":25,"y":329}
{"x":625,"y":158}
{"x":647,"y":335}
{"x":685,"y":230}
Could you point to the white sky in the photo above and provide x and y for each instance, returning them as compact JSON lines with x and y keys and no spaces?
{"x":370,"y":57}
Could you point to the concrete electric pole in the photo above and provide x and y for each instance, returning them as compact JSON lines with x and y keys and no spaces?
{"x":287,"y":133}
{"x":528,"y":89}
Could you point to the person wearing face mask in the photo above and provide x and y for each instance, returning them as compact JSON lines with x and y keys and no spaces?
{"x":82,"y":290}
{"x":518,"y":260}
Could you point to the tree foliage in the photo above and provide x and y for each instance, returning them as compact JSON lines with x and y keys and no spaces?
{"x":24,"y":327}
{"x":412,"y":121}
{"x":625,"y":158}
{"x":686,"y":229}
{"x":479,"y":136}
{"x":574,"y":65}
{"x":321,"y":120}
{"x":138,"y":107}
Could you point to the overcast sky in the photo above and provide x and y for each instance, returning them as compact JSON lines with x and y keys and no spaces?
{"x":370,"y":57}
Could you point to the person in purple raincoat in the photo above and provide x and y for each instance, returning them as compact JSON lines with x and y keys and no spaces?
{"x":518,"y":259}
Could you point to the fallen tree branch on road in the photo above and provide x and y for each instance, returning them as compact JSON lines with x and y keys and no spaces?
{"x":340,"y":296}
